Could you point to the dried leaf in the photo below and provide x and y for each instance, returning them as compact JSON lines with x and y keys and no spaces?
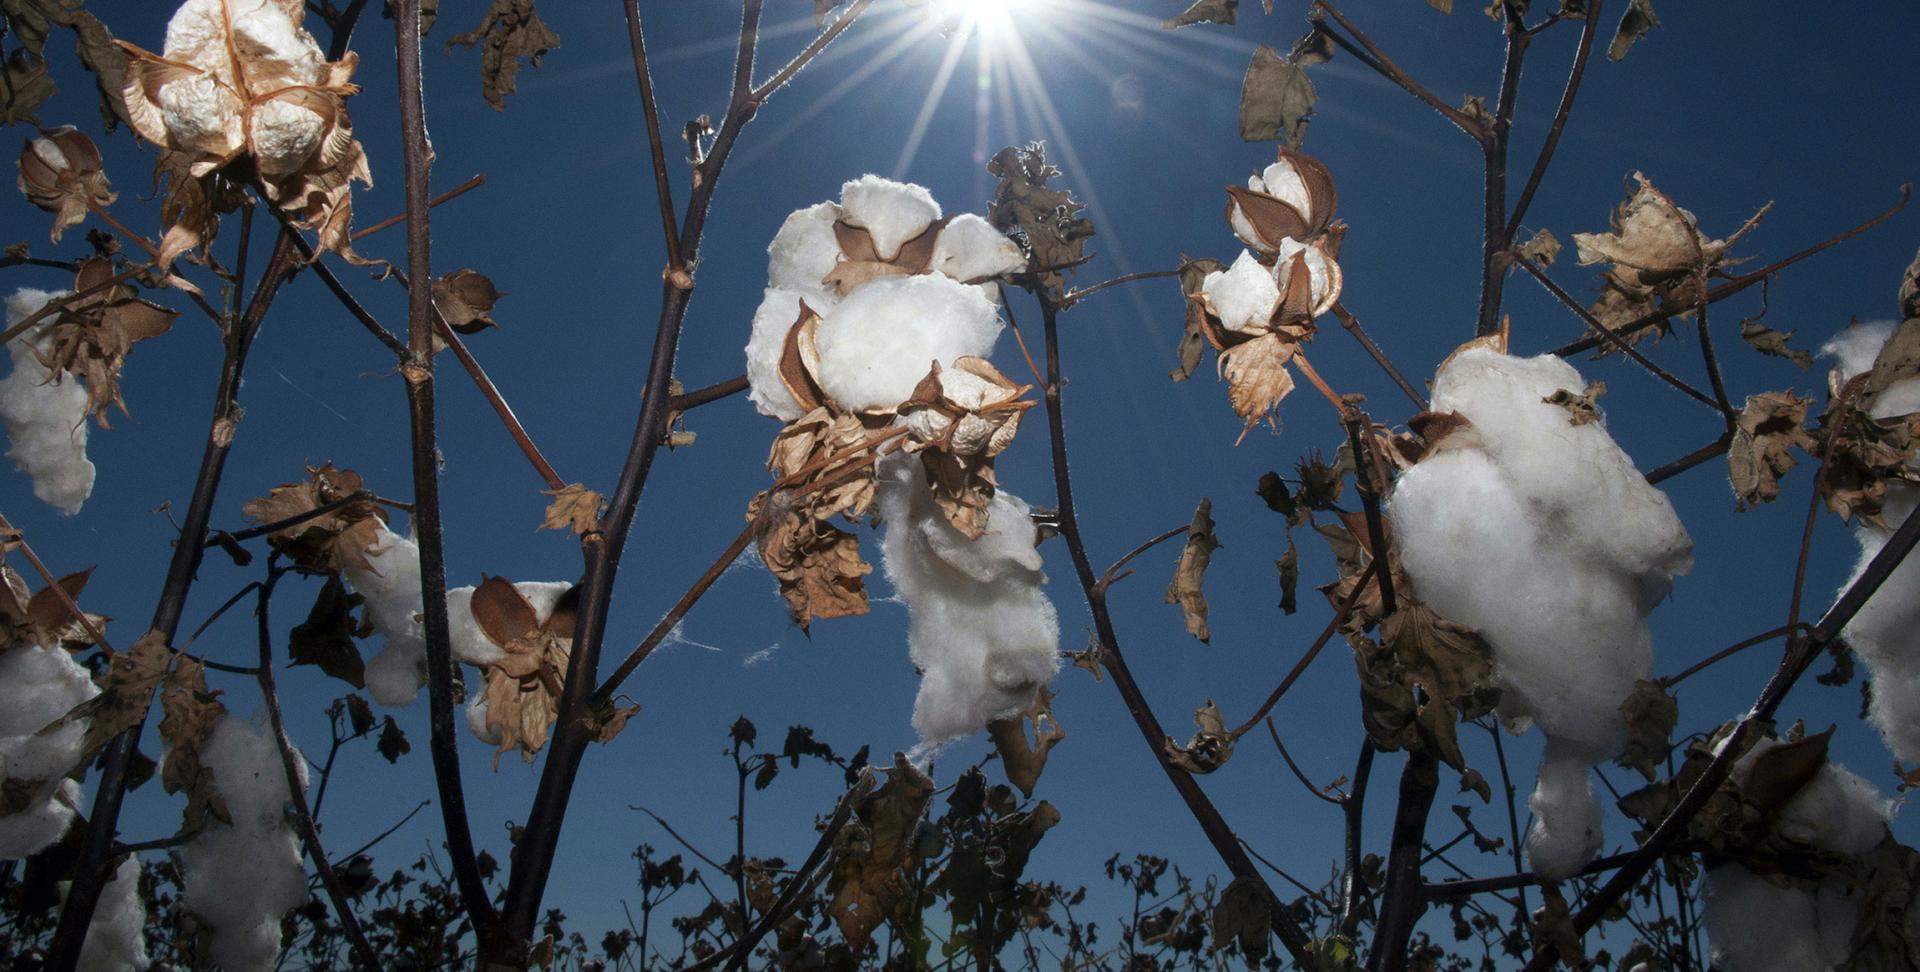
{"x":1779,"y":773}
{"x":1289,"y":567}
{"x":343,"y":537}
{"x":1045,"y":221}
{"x":1769,"y":428}
{"x":1205,"y":12}
{"x":465,"y":298}
{"x":866,"y":882}
{"x":1208,"y":749}
{"x":325,"y":638}
{"x":1276,"y":99}
{"x":1025,"y":761}
{"x":33,"y":20}
{"x":1552,"y":927}
{"x":574,"y":507}
{"x":392,"y":743}
{"x":1651,"y":714}
{"x":1899,"y":358}
{"x":90,"y":337}
{"x":1257,"y":377}
{"x":359,"y":715}
{"x":1581,"y":408}
{"x":1766,"y":340}
{"x":24,"y":87}
{"x":189,"y":713}
{"x":1542,"y":247}
{"x":1634,"y":25}
{"x":510,"y":31}
{"x":1243,"y":916}
{"x":127,"y":693}
{"x":1193,"y":343}
{"x":1191,"y":572}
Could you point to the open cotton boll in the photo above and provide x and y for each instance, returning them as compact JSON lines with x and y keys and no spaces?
{"x":970,"y":248}
{"x":469,"y":643}
{"x":392,"y":591}
{"x":778,"y":311}
{"x":1283,"y":182}
{"x":37,"y":687}
{"x":116,"y":937}
{"x":891,"y":212}
{"x":242,"y":877}
{"x":1566,"y":831}
{"x":477,"y":718}
{"x":980,"y":630}
{"x":1243,"y":295}
{"x":1886,"y":631}
{"x":1323,"y":275}
{"x":802,"y":253}
{"x":46,"y":420}
{"x":877,"y":345}
{"x":33,"y":829}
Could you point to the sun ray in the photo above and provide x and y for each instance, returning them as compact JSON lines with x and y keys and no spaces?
{"x":956,"y":46}
{"x":887,"y":55}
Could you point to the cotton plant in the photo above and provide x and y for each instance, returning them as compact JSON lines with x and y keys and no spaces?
{"x":874,"y":335}
{"x":1258,"y":312}
{"x":242,"y":79}
{"x":1529,"y":524}
{"x":45,"y":418}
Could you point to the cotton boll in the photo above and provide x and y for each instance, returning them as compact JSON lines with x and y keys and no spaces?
{"x":1756,"y":926}
{"x":477,"y":719}
{"x":241,"y":878}
{"x":778,"y":311}
{"x":1323,"y":275}
{"x":469,"y":643}
{"x":116,"y":938}
{"x":891,"y":212}
{"x":1836,"y":811}
{"x":1243,"y":295}
{"x":197,"y":32}
{"x":38,"y":686}
{"x":284,"y":136}
{"x":801,"y":255}
{"x":1855,"y":348}
{"x":970,"y":248}
{"x":980,"y":629}
{"x":1283,"y":182}
{"x":391,"y":586}
{"x":1566,"y":831}
{"x":46,"y":421}
{"x":201,"y":114}
{"x":877,"y":345}
{"x":278,"y":51}
{"x":33,"y":829}
{"x":395,"y":673}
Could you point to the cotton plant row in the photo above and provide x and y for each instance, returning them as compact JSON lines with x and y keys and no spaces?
{"x":873,"y":337}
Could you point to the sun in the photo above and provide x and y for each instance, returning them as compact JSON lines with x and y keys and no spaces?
{"x":991,"y":20}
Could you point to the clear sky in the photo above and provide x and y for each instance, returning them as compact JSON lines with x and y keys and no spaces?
{"x":1725,"y":107}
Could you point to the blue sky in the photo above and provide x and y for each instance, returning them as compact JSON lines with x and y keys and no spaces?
{"x":1725,"y":111}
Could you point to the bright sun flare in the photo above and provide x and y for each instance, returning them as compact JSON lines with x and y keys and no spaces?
{"x":991,"y":19}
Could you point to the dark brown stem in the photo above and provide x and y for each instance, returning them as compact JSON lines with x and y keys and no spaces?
{"x":656,"y":147}
{"x":1711,"y":361}
{"x":1113,"y":573}
{"x":15,"y":535}
{"x":1401,"y":899}
{"x":357,"y":496}
{"x":1726,"y":653}
{"x":1448,"y":890}
{"x":1299,"y":668}
{"x":688,"y":401}
{"x":1369,"y":482}
{"x":1513,"y":819}
{"x":1352,"y":325}
{"x":604,"y":694}
{"x":1493,"y":150}
{"x":339,"y":290}
{"x":1377,"y":59}
{"x":812,"y":50}
{"x":478,"y":180}
{"x":417,"y":370}
{"x":297,"y":794}
{"x":499,"y":403}
{"x":1698,"y":456}
{"x":1077,"y":294}
{"x":1295,"y":767}
{"x":1353,"y":808}
{"x":1225,"y":842}
{"x":59,"y":304}
{"x":1580,"y":57}
{"x":1737,"y":283}
{"x":90,"y":871}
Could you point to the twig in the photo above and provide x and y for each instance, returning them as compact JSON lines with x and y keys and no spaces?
{"x":383,"y":835}
{"x":1352,"y":325}
{"x":1295,"y":767}
{"x":1728,"y":652}
{"x":1367,"y":574}
{"x":1493,"y":153}
{"x":59,"y":304}
{"x":675,"y":834}
{"x":357,"y":496}
{"x":1401,"y":900}
{"x":1580,"y":57}
{"x":1378,"y":60}
{"x":1521,"y":911}
{"x":1369,"y":482}
{"x":790,"y":894}
{"x":812,"y":50}
{"x":655,"y":144}
{"x":498,"y":402}
{"x":1113,"y":573}
{"x":604,"y":694}
{"x":688,"y":401}
{"x":1353,"y":809}
{"x":479,"y":179}
{"x":1691,"y":459}
{"x":1077,"y":294}
{"x":17,"y":536}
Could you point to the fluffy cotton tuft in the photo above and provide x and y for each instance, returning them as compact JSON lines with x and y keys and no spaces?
{"x":241,"y":878}
{"x":1542,"y":535}
{"x":1568,"y":832}
{"x":392,"y":590}
{"x":970,"y":248}
{"x":778,"y":311}
{"x":892,"y":212}
{"x":38,"y":686}
{"x":1757,"y":926}
{"x":801,"y":255}
{"x":882,"y":340}
{"x":1243,"y":295}
{"x":469,"y":643}
{"x":116,"y":938}
{"x":1886,"y":632}
{"x":46,"y":420}
{"x":980,"y":630}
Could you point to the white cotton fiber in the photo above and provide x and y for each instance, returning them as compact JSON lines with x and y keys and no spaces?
{"x":1757,"y":926}
{"x":469,"y":643}
{"x":241,"y":878}
{"x":1542,"y":535}
{"x":1886,"y":632}
{"x":1566,"y":831}
{"x":37,"y":687}
{"x":970,"y":249}
{"x":1243,"y":295}
{"x":116,"y":938}
{"x":46,"y":420}
{"x":392,"y":591}
{"x":882,"y":340}
{"x":980,"y":629}
{"x":778,"y":311}
{"x":801,"y":255}
{"x":891,"y":212}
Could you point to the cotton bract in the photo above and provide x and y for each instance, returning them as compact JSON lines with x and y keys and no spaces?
{"x":1886,"y":632}
{"x":242,"y":878}
{"x":45,"y":417}
{"x":1540,"y":533}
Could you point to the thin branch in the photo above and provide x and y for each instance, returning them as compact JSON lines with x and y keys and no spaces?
{"x":812,"y":50}
{"x":1113,"y":573}
{"x":19,"y":537}
{"x":1352,"y":325}
{"x":604,"y":694}
{"x":1401,"y":900}
{"x":1728,"y":652}
{"x":1521,"y":911}
{"x":1077,"y":294}
{"x":499,"y":403}
{"x":383,"y":835}
{"x":688,"y":401}
{"x":479,"y":179}
{"x":656,"y":147}
{"x":1493,"y":154}
{"x":790,"y":894}
{"x":1369,"y":480}
{"x":675,"y":834}
{"x":59,"y":304}
{"x":1295,"y":767}
{"x":1378,"y":60}
{"x":1581,"y":55}
{"x":1339,"y":618}
{"x":220,"y":536}
{"x":1698,"y":456}
{"x":1353,"y":808}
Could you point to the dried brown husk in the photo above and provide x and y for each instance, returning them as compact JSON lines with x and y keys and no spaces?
{"x":818,"y":565}
{"x":1274,"y":219}
{"x":1025,"y":760}
{"x":91,"y":336}
{"x":862,"y":261}
{"x":67,"y":190}
{"x":523,"y":688}
{"x":958,"y":440}
{"x":1769,"y":428}
{"x":1191,"y":571}
{"x":339,"y":538}
{"x":1208,"y":749}
{"x":43,"y":618}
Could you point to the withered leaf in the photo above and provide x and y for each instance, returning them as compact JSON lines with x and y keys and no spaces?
{"x":325,"y":638}
{"x":610,"y":721}
{"x":1447,"y":659}
{"x":189,"y":714}
{"x":1208,"y":749}
{"x":1651,"y":714}
{"x":1193,"y":343}
{"x":44,"y":618}
{"x":1276,"y":99}
{"x":511,"y":30}
{"x":359,"y":714}
{"x":1046,"y":221}
{"x":1581,"y":408}
{"x":1257,"y":377}
{"x":1191,"y":571}
{"x":1025,"y":761}
{"x":465,"y":298}
{"x":574,"y":507}
{"x":1552,"y":926}
{"x":866,"y":883}
{"x":342,"y":537}
{"x":1770,"y":427}
{"x":1542,"y":247}
{"x":392,"y":743}
{"x":1766,"y":340}
{"x":1289,"y":567}
{"x":24,"y":87}
{"x":132,"y":675}
{"x":1243,"y":916}
{"x":1634,"y":24}
{"x":1899,"y":358}
{"x":1205,"y":12}
{"x":33,"y":20}
{"x":91,"y":336}
{"x":818,"y":565}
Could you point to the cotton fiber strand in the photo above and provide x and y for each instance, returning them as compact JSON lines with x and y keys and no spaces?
{"x":883,"y":339}
{"x":1886,"y":632}
{"x":45,"y":420}
{"x":241,"y":878}
{"x":1542,"y":535}
{"x":116,"y":938}
{"x":392,"y":591}
{"x":1757,"y":926}
{"x":980,"y":629}
{"x":37,"y":687}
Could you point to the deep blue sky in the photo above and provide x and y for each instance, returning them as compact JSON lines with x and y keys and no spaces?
{"x":1724,"y":111}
